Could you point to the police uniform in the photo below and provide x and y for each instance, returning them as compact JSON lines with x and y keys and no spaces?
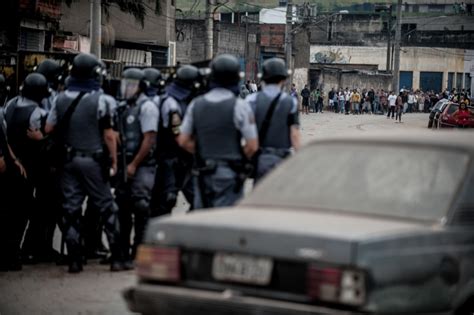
{"x":12,"y":217}
{"x":93,"y":228}
{"x":84,"y":173}
{"x":22,"y":114}
{"x":133,"y":196}
{"x":174,"y":163}
{"x":219,"y":120}
{"x":277,"y":142}
{"x":47,"y":102}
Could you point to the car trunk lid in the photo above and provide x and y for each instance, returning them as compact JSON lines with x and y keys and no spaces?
{"x":278,"y":233}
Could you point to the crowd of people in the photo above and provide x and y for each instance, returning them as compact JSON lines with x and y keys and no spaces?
{"x":370,"y":101}
{"x":75,"y":157}
{"x":462,"y":8}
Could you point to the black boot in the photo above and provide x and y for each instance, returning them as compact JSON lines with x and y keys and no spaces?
{"x":116,"y":259}
{"x":75,"y":258}
{"x":75,"y":266}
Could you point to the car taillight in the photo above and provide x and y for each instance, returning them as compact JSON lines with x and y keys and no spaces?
{"x":336,"y":285}
{"x":158,"y":263}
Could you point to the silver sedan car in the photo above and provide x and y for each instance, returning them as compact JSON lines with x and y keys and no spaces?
{"x":380,"y":224}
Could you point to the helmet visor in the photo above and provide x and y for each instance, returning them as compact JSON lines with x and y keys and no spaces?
{"x":129,"y":88}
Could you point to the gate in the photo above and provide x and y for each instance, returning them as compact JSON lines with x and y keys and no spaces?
{"x":431,"y":81}
{"x":406,"y":80}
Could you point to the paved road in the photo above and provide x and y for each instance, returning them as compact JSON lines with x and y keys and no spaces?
{"x":49,"y":289}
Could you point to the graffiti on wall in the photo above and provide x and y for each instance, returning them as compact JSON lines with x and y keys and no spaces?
{"x":330,"y":56}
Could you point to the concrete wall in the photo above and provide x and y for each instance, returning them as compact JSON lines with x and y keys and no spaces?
{"x":157,"y":30}
{"x":230,"y":39}
{"x":326,"y":79}
{"x":416,"y":59}
{"x":445,"y":22}
{"x":365,"y":81}
{"x":191,"y":37}
{"x":443,"y":30}
{"x":300,"y":78}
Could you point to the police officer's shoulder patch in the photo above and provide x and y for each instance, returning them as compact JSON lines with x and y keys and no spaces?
{"x":130,"y":119}
{"x":175,"y":122}
{"x":175,"y":119}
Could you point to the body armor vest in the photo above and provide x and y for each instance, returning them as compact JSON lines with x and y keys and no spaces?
{"x":216,"y":134}
{"x":83,"y":133}
{"x":278,"y":135}
{"x":18,"y":122}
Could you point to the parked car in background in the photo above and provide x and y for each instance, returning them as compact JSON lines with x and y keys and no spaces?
{"x":390,"y":229}
{"x":447,"y":120}
{"x":435,"y":110}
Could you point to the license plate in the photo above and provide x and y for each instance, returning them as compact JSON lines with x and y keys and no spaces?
{"x":241,"y":268}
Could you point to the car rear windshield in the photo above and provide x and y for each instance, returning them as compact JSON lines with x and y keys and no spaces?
{"x":398,"y":181}
{"x":438,"y":105}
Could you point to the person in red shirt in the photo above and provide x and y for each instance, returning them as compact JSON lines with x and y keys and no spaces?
{"x":462,"y":115}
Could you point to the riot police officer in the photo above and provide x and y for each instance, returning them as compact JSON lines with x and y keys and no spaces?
{"x":81,"y":114}
{"x":52,"y":71}
{"x":139,"y":124}
{"x":276,"y":114}
{"x":154,"y":81}
{"x":24,"y":118}
{"x":93,"y":227}
{"x":13,"y":214}
{"x":174,"y":163}
{"x":3,"y":91}
{"x":214,"y":128}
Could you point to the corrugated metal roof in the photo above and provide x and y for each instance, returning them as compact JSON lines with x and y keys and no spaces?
{"x":134,"y":57}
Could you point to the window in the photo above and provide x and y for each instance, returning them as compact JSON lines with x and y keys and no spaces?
{"x":450,"y":81}
{"x":436,"y":7}
{"x":282,"y":3}
{"x":31,"y":39}
{"x":398,"y":181}
{"x":452,"y":109}
{"x":459,"y":81}
{"x":467,"y":81}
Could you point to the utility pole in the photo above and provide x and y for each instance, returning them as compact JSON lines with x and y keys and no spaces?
{"x":396,"y":63}
{"x":209,"y":45}
{"x":96,"y":16}
{"x":389,"y":37}
{"x":289,"y":37}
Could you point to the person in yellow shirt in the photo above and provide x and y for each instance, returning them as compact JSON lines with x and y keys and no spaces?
{"x":355,"y":102}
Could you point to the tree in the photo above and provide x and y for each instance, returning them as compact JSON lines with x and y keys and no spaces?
{"x":137,"y":8}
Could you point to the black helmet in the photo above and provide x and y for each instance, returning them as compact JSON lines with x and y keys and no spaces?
{"x":50,"y":69}
{"x":152,"y":76}
{"x":35,"y":87}
{"x":274,"y":70}
{"x":225,"y":70}
{"x":133,"y":74}
{"x":187,"y":75}
{"x":85,"y":66}
{"x":103,"y":68}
